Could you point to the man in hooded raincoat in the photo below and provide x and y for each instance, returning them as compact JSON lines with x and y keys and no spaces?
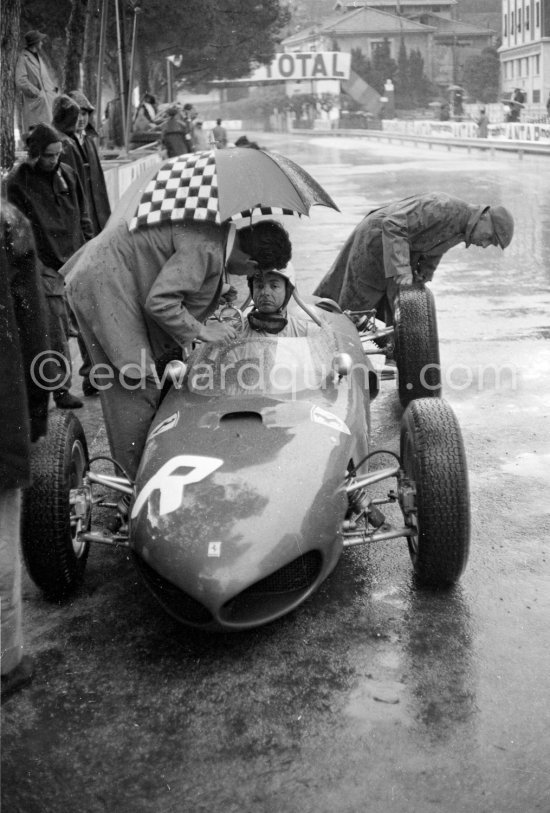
{"x":71,"y":116}
{"x":403,"y":242}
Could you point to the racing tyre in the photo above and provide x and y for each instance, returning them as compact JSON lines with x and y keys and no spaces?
{"x":432,"y":456}
{"x":54,"y":557}
{"x":416,"y":344}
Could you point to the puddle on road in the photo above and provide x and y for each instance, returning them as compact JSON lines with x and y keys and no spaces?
{"x":377,"y":700}
{"x":529,"y":464}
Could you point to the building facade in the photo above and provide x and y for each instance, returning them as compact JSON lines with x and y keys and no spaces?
{"x":525,"y":50}
{"x":444,"y":43}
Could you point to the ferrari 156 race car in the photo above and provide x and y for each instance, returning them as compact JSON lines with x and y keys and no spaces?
{"x":257,"y":473}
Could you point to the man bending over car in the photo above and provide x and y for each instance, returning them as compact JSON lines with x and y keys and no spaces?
{"x":403,"y":242}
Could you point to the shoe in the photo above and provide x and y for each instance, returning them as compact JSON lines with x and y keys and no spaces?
{"x":65,"y":400}
{"x":88,"y":388}
{"x":19,"y":677}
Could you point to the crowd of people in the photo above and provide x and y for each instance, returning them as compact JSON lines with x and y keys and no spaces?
{"x":177,"y":127}
{"x":144,"y":295}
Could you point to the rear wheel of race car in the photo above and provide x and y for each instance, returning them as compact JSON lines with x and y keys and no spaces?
{"x":55,"y":558}
{"x":432,"y":456}
{"x":416,"y":344}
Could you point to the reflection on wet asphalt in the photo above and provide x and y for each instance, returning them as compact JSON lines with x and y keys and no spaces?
{"x":375,"y":695}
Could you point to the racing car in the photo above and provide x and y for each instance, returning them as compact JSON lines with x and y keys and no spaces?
{"x":257,"y":473}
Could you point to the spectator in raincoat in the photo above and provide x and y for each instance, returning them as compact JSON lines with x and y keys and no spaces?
{"x":49,"y":193}
{"x":86,"y":139}
{"x":176,"y":136}
{"x":482,"y":123}
{"x":70,"y":118}
{"x":140,"y":297}
{"x":71,"y":115}
{"x":219,"y":134}
{"x":33,"y":81}
{"x":403,"y":242}
{"x":24,"y":420}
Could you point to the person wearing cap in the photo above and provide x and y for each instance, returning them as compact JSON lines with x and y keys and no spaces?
{"x":50,"y":195}
{"x":36,"y":87}
{"x":403,"y":242}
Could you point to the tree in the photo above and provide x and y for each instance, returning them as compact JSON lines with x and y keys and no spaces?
{"x":217,"y":39}
{"x":90,"y":54}
{"x":363,"y":68}
{"x":75,"y":45}
{"x":403,"y":88}
{"x":419,"y":82}
{"x":10,"y":11}
{"x":481,"y":76}
{"x":383,"y":65}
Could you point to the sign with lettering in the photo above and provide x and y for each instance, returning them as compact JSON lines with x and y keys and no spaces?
{"x":310,"y":65}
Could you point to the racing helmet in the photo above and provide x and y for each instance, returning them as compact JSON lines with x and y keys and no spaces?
{"x":287,"y":273}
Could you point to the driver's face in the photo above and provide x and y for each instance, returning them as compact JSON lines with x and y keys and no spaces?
{"x":268,"y":291}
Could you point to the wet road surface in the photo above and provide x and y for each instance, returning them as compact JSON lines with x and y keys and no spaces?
{"x":374,"y":695}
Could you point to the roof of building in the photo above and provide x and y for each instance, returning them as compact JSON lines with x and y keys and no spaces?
{"x":361,"y":22}
{"x":458,"y":27}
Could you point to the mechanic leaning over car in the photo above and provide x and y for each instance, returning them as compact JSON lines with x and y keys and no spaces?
{"x":139,"y":297}
{"x":403,"y":242}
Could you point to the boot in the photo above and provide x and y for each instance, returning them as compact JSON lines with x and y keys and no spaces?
{"x":65,"y":400}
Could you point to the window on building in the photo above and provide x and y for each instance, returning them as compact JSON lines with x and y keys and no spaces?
{"x":537,"y":15}
{"x":536,"y":97}
{"x":526,"y":67}
{"x":511,"y":23}
{"x":505,"y":25}
{"x":527,"y":18}
{"x":537,"y":65}
{"x":380,"y":45}
{"x":519,"y":20}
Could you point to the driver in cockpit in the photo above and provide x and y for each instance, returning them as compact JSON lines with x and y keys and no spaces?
{"x":272,"y":283}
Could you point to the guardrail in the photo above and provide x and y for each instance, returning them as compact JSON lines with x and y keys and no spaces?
{"x":445,"y":142}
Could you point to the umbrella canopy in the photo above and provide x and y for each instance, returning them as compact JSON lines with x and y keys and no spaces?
{"x":218,"y":185}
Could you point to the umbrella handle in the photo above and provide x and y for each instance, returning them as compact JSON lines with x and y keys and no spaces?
{"x":299,"y":301}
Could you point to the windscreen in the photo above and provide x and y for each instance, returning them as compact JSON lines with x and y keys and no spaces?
{"x":262,"y":365}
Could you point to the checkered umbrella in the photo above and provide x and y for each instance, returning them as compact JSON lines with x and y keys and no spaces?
{"x":223,"y":184}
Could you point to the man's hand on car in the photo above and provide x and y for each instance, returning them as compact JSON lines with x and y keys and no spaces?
{"x":217,"y":332}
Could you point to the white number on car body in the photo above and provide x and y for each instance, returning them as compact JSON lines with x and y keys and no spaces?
{"x":171,"y":485}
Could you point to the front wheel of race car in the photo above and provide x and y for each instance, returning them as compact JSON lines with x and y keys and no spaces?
{"x":433,"y":459}
{"x":416,"y":344}
{"x":53,"y":554}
